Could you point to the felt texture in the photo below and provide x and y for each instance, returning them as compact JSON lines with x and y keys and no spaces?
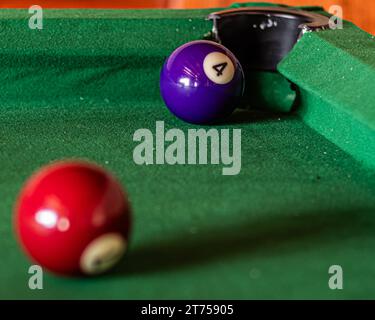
{"x":335,"y":72}
{"x":84,"y":84}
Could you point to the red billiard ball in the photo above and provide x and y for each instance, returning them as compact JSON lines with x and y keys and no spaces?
{"x":73,"y":218}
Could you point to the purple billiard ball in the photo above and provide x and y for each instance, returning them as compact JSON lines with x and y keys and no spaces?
{"x":202,"y":82}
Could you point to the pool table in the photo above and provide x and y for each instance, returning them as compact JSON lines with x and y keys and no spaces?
{"x":303,"y":201}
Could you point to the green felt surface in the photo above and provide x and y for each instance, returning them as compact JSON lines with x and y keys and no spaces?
{"x":341,"y":88}
{"x":83,"y":85}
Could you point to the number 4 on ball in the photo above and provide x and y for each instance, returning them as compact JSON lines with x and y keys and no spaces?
{"x":219,"y":68}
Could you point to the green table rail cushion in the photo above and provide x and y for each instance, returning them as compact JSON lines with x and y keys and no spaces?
{"x":335,"y":73}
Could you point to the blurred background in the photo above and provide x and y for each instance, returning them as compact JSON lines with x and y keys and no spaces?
{"x":361,"y":12}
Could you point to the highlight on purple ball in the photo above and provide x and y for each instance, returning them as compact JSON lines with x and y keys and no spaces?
{"x":202,"y":82}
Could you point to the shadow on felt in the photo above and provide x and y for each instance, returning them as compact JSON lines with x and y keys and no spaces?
{"x":273,"y":235}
